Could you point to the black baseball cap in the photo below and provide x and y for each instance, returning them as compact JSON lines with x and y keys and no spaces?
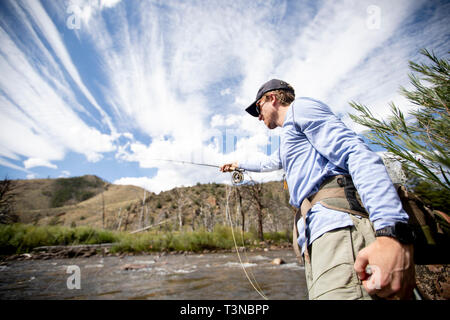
{"x":271,"y":85}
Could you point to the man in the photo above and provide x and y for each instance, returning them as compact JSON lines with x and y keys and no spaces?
{"x":317,"y":150}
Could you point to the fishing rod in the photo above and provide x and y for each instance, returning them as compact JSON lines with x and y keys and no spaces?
{"x":236,"y":177}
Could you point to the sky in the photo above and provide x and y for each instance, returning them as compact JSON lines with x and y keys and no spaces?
{"x":111,"y":87}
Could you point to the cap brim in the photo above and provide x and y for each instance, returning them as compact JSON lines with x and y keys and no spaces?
{"x":252,"y":109}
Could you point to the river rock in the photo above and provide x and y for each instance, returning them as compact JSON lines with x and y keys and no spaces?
{"x":278,"y":261}
{"x":89,"y":253}
{"x":135,"y":266}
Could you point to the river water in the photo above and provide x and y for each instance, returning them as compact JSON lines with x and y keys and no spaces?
{"x":175,"y":277}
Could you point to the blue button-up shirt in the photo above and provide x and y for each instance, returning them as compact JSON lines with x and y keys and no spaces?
{"x":316,"y":144}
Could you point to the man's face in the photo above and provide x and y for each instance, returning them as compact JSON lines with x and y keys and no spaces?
{"x":266,"y":111}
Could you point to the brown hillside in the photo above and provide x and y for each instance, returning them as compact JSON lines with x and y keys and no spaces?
{"x":121,"y":207}
{"x":33,"y":194}
{"x":37,"y":194}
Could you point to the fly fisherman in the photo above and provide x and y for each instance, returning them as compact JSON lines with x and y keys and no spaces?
{"x":349,"y":231}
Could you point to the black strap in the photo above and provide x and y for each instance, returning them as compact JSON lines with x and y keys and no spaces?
{"x":350,"y":193}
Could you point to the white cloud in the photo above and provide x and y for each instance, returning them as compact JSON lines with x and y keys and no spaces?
{"x":320,"y":57}
{"x":64,"y":174}
{"x":336,"y":45}
{"x":231,"y":120}
{"x":181,"y":75}
{"x":86,"y":9}
{"x":36,"y":162}
{"x":172,"y":175}
{"x":109,"y":3}
{"x":41,"y":115}
{"x":19,"y":136}
{"x":47,"y":27}
{"x":225,"y":92}
{"x":8,"y":164}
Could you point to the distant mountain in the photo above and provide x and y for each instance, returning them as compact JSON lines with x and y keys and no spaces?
{"x":52,"y":193}
{"x":89,"y":200}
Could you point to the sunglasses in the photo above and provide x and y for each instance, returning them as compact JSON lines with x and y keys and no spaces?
{"x":258,"y":105}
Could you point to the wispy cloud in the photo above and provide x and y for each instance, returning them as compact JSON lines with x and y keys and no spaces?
{"x":38,"y":105}
{"x":331,"y":53}
{"x":153,"y":80}
{"x":8,"y":164}
{"x":35,"y":162}
{"x":45,"y":123}
{"x":49,"y":30}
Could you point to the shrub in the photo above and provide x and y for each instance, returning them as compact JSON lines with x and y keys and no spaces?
{"x":66,"y":189}
{"x":20,"y":238}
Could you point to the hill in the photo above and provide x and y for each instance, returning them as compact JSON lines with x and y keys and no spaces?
{"x":88,"y":200}
{"x":51,"y":193}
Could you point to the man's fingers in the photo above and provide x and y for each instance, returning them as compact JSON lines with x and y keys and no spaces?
{"x":368,"y":286}
{"x":228,"y":167}
{"x":361,"y":262}
{"x":372,"y":289}
{"x":384,"y":286}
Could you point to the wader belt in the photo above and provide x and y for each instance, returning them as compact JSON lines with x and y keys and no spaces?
{"x":336,"y":193}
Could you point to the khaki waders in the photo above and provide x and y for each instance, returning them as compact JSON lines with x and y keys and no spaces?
{"x":330,"y":258}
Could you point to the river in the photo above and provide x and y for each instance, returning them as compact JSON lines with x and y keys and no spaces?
{"x":169,"y":277}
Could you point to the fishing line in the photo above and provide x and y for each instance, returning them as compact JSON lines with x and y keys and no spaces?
{"x":237,"y":250}
{"x":243,"y":242}
{"x":254,"y":283}
{"x":247,"y":259}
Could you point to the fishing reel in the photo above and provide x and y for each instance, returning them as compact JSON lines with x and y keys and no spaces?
{"x":237,"y":176}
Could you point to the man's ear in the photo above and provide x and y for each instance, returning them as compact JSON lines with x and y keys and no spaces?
{"x":274,"y":100}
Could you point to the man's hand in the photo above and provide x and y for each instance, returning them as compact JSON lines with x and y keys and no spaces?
{"x":392,"y":269}
{"x":229,"y":167}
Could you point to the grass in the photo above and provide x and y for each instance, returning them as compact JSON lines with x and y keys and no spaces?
{"x":22,"y":238}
